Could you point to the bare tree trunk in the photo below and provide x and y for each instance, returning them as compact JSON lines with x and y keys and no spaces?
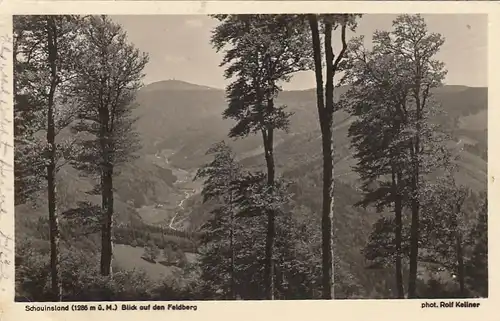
{"x":415,"y":203}
{"x":107,"y":222}
{"x":269,"y":265}
{"x":327,"y":217}
{"x":313,"y":23}
{"x":414,"y":235}
{"x":396,"y":178}
{"x":328,"y":170}
{"x":107,"y":196}
{"x":325,"y":113}
{"x":56,"y":284}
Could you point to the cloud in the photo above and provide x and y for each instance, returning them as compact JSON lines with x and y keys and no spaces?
{"x":193,"y":23}
{"x":174,"y":59}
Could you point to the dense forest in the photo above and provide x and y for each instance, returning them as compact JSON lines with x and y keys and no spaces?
{"x":370,"y":185}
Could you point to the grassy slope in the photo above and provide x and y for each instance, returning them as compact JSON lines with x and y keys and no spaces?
{"x":128,"y":258}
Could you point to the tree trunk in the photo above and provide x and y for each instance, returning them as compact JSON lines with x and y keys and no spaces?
{"x":269,"y":261}
{"x":414,"y":236}
{"x":396,"y":178}
{"x":325,"y":114}
{"x":313,"y":23}
{"x":107,"y":208}
{"x":328,"y":171}
{"x":56,"y":284}
{"x":327,"y":218}
{"x":107,"y":246}
{"x":415,"y":202}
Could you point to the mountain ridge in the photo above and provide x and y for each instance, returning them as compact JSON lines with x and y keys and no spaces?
{"x":173,"y":84}
{"x":177,"y":84}
{"x":179,"y":121}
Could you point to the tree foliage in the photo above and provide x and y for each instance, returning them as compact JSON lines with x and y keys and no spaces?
{"x":396,"y":143}
{"x":262,"y":52}
{"x":291,"y":232}
{"x":45,"y":49}
{"x":109,"y":75}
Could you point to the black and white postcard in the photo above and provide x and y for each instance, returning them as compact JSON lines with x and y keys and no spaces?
{"x":167,"y":160}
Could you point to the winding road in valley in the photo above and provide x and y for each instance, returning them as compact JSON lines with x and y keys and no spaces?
{"x":184,"y":177}
{"x":183,"y":184}
{"x":180,"y":207}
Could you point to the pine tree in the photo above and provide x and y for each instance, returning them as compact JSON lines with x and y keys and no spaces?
{"x":232,"y":246}
{"x":219,"y":176}
{"x":254,"y":196}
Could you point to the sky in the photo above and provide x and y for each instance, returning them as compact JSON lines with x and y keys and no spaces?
{"x":179,"y":47}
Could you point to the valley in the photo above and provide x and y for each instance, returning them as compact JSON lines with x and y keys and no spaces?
{"x":297,"y":152}
{"x":165,"y":212}
{"x":157,"y":191}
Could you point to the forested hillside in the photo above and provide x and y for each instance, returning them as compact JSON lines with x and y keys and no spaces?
{"x":205,"y":193}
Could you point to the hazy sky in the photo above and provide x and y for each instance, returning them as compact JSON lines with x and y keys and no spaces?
{"x":179,"y":47}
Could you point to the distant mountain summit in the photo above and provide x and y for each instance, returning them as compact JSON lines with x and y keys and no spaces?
{"x":175,"y":85}
{"x":180,"y":85}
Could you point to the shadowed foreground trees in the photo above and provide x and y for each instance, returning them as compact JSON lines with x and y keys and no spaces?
{"x":45,"y":50}
{"x":232,"y":236}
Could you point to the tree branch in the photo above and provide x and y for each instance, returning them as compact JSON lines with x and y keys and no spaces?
{"x":343,"y":50}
